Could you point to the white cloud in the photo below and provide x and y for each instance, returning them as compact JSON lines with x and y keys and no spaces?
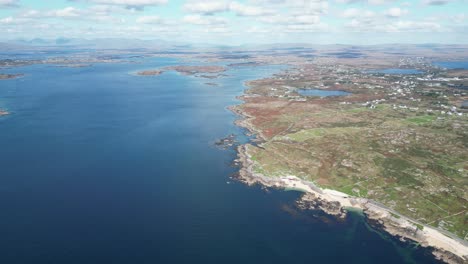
{"x":414,"y":26}
{"x":221,"y":30}
{"x":9,"y":3}
{"x":213,"y":7}
{"x":379,"y":24}
{"x":291,"y":20}
{"x":149,"y":20}
{"x":436,"y":2}
{"x":459,"y":19}
{"x":298,"y":28}
{"x":130,"y":4}
{"x":379,"y":2}
{"x":71,"y":13}
{"x":371,"y":2}
{"x":247,"y":10}
{"x":356,"y":12}
{"x":395,"y":12}
{"x":256,"y":29}
{"x":206,"y":7}
{"x":66,"y":12}
{"x":204,"y":20}
{"x":235,"y":17}
{"x":7,"y":20}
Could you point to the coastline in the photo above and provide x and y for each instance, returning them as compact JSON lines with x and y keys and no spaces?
{"x":10,"y":76}
{"x":446,"y":246}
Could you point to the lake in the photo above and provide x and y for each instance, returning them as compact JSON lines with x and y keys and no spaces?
{"x":321,"y":93}
{"x":452,"y":64}
{"x":102,"y":166}
{"x":396,"y":71}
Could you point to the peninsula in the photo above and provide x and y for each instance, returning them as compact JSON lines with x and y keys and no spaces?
{"x":391,"y":144}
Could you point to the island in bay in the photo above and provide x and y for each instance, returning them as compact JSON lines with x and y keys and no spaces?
{"x":187,"y":70}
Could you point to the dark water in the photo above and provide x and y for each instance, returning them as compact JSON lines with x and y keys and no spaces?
{"x":100,"y":166}
{"x":397,"y":71}
{"x":452,"y":64}
{"x":321,"y":93}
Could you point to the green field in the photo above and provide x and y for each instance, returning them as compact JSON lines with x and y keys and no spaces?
{"x":408,"y":163}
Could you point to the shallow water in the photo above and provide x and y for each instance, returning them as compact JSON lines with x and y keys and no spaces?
{"x":321,"y":93}
{"x":101,"y":166}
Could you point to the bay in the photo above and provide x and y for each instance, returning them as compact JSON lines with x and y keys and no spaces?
{"x":101,"y":166}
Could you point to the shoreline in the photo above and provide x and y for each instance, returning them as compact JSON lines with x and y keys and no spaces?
{"x":10,"y":76}
{"x":446,"y":246}
{"x":447,"y":249}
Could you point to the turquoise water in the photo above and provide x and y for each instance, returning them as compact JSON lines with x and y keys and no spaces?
{"x":101,"y":166}
{"x":321,"y":93}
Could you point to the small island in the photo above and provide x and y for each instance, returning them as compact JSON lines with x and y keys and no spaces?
{"x":150,"y":73}
{"x":187,"y":70}
{"x":10,"y":76}
{"x":194,"y":70}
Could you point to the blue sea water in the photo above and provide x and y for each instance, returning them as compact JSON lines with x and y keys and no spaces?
{"x":321,"y":93}
{"x":452,"y":64}
{"x":101,"y":166}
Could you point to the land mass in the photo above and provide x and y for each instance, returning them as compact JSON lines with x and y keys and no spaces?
{"x":394,"y":147}
{"x":199,"y":71}
{"x":150,"y":73}
{"x":9,"y":76}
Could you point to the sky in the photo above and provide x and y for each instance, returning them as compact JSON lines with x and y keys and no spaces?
{"x":240,"y":22}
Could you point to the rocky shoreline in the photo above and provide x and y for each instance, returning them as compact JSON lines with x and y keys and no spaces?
{"x":446,"y":246}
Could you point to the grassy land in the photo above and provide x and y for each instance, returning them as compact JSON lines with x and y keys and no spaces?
{"x":392,"y":140}
{"x":402,"y":160}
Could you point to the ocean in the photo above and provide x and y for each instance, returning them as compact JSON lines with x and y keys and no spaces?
{"x":98,"y":165}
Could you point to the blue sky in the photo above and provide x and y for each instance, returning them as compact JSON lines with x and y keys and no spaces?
{"x":241,"y":21}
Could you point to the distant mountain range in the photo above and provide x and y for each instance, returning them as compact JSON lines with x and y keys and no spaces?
{"x":104,"y":43}
{"x":158,"y":44}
